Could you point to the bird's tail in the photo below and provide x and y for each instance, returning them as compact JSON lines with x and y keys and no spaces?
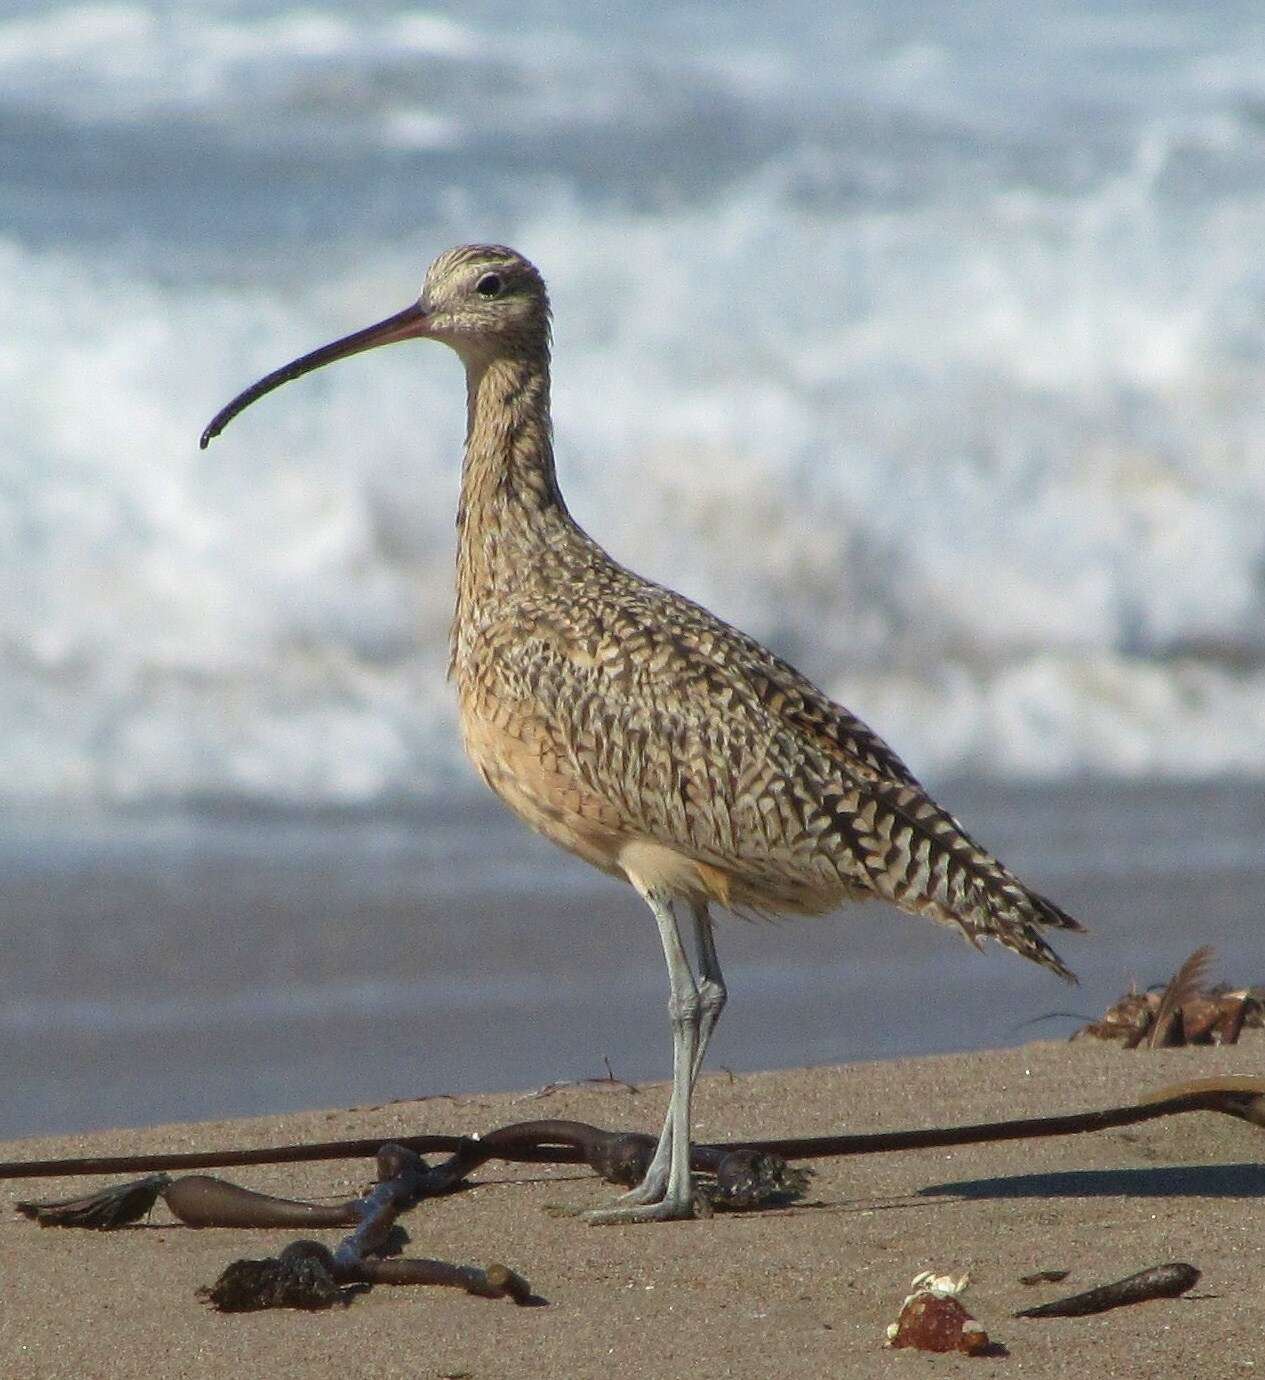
{"x":919,"y":857}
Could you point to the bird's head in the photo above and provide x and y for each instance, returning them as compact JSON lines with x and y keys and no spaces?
{"x":484,"y":300}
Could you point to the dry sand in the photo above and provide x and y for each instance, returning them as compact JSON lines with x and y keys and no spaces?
{"x":805,"y":1291}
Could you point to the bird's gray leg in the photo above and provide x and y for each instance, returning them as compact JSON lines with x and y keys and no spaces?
{"x":712,"y":993}
{"x":654,"y":1199}
{"x":712,"y":996}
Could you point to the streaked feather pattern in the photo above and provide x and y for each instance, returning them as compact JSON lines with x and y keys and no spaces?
{"x":611,"y":712}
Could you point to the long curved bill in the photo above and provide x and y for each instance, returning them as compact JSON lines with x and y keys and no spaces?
{"x":408,"y":324}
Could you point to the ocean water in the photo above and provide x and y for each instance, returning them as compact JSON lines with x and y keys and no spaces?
{"x":162,"y":968}
{"x":927,"y":343}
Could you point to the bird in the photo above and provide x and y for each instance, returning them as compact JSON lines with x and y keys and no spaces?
{"x":637,"y":730}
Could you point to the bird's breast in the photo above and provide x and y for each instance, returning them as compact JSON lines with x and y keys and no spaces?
{"x":520,"y":760}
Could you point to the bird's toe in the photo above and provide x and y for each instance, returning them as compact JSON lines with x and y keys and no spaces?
{"x":622,"y":1212}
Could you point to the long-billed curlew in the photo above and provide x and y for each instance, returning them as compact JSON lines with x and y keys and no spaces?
{"x":639,"y":731}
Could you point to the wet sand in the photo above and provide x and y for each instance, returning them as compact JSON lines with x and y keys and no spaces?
{"x":163,"y":968}
{"x":803,"y":1291}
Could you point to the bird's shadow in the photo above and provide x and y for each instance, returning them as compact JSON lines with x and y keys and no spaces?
{"x":1246,"y":1180}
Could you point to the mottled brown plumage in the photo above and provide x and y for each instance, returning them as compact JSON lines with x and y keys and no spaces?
{"x":641,"y":732}
{"x":609,"y":711}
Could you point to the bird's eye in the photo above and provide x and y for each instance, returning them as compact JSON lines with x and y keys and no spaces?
{"x":489,"y":285}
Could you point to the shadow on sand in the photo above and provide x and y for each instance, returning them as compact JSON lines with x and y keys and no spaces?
{"x":1170,"y":1181}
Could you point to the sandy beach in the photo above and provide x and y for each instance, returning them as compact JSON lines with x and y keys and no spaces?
{"x":807,"y":1290}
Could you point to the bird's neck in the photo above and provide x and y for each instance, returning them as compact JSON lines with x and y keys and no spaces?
{"x":511,"y":511}
{"x":508,"y":474}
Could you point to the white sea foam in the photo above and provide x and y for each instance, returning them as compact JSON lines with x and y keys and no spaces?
{"x":118,"y":60}
{"x":979,"y":450}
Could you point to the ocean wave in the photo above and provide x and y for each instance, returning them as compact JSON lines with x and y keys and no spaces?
{"x":957,"y":409}
{"x":1002,"y":576}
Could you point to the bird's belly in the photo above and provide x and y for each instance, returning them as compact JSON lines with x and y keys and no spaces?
{"x":518,"y":758}
{"x":519,"y":762}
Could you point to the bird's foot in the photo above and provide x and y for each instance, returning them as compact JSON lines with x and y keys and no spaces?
{"x":623,"y":1213}
{"x":652,"y":1189}
{"x":648,"y":1202}
{"x":652,"y":1200}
